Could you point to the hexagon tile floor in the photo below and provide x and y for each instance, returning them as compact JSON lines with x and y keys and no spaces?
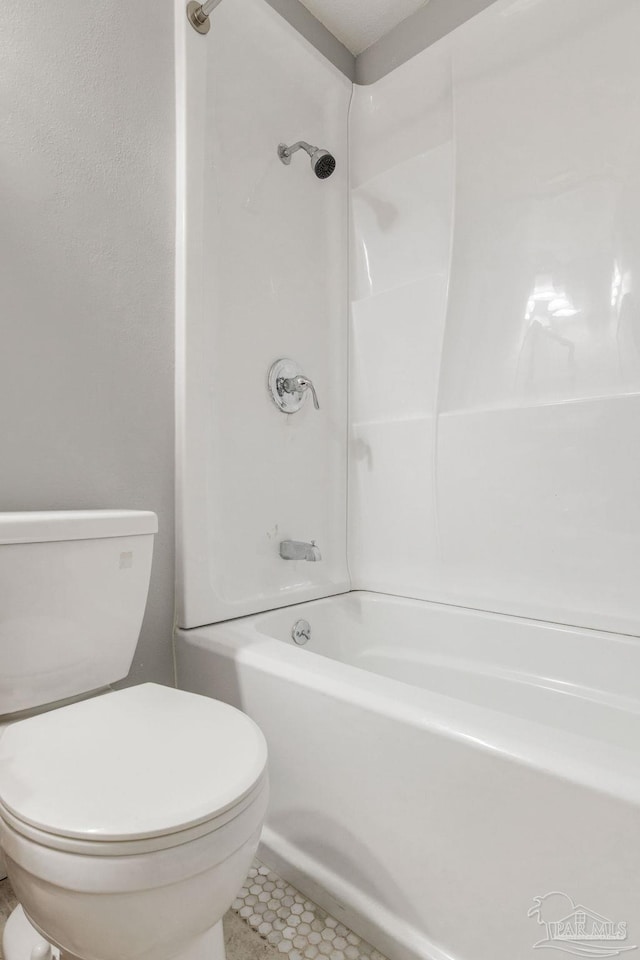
{"x":295,"y":926}
{"x":278,"y":922}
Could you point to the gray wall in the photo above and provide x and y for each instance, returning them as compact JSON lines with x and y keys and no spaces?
{"x":86,"y":271}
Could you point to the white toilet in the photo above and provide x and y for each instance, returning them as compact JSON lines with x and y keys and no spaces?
{"x":129,"y":818}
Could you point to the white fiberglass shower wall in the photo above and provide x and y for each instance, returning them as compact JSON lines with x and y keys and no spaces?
{"x":261,"y":274}
{"x":494,"y":371}
{"x":495,"y":361}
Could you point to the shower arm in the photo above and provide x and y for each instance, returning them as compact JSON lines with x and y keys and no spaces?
{"x":198,"y":14}
{"x":285,"y":153}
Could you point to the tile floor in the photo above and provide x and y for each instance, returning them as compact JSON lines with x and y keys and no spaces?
{"x":269,"y":919}
{"x":295,"y":926}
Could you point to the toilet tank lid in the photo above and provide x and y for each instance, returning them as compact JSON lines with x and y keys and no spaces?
{"x":41,"y":526}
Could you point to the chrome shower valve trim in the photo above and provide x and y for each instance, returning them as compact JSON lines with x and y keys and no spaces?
{"x":297,"y":385}
{"x":288,"y":386}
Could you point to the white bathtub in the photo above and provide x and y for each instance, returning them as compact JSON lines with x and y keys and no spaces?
{"x":435,"y":769}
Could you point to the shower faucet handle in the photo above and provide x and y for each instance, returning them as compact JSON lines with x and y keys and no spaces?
{"x":288,"y":386}
{"x":299,"y":384}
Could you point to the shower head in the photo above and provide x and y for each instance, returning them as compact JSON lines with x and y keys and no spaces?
{"x":322,"y":162}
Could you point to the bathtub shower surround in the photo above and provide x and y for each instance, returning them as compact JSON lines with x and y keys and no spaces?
{"x":495,"y":328}
{"x":443,"y":763}
{"x":262,"y":276}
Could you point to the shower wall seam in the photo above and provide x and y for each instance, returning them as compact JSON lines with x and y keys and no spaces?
{"x":349,"y":344}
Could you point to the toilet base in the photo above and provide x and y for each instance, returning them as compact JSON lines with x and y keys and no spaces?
{"x":210,"y":946}
{"x":22,"y":942}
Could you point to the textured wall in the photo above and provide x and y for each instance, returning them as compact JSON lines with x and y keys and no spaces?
{"x":86,"y":260}
{"x":496,"y":317}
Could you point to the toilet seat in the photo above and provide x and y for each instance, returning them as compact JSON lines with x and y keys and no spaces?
{"x":136,"y":770}
{"x":131,"y":847}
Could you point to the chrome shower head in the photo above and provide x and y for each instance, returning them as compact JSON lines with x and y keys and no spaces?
{"x":322,"y":162}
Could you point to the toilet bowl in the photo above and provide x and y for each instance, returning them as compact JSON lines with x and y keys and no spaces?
{"x":129,"y":823}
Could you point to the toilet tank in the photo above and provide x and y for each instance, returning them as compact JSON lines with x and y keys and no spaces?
{"x":73,"y":589}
